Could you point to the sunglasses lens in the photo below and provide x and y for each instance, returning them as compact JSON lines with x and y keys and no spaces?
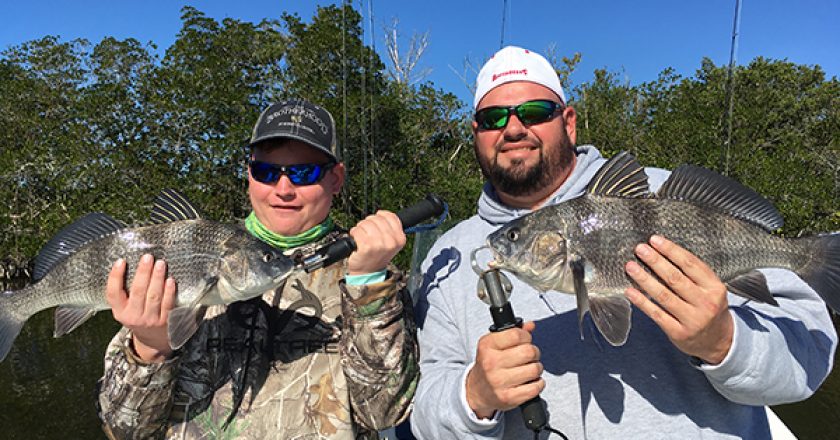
{"x":531,"y":112}
{"x":299,"y":174}
{"x":534,"y":112}
{"x":492,"y":118}
{"x":304,"y":174}
{"x":264,"y":172}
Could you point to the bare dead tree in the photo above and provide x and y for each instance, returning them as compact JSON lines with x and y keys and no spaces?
{"x":468,"y":73}
{"x":403,"y":68}
{"x":564,"y":66}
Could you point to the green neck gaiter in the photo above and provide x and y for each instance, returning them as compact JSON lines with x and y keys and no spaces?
{"x":286,"y":242}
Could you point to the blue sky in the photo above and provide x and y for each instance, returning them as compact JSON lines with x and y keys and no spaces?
{"x":637,"y":39}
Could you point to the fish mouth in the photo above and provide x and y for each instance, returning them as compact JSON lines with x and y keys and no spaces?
{"x":286,"y":273}
{"x":282,"y":277}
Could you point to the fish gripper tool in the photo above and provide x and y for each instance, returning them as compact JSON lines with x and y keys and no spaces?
{"x":497,"y":288}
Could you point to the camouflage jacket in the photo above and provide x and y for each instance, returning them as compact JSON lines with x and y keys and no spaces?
{"x":314,"y":359}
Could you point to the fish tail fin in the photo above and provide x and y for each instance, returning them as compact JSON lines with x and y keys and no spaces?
{"x":10,"y":323}
{"x":822,"y":273}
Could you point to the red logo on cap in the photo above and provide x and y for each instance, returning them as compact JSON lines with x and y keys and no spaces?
{"x":510,"y":72}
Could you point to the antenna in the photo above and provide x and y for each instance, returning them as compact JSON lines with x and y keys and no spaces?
{"x":369,"y":149}
{"x":730,"y":80}
{"x":344,"y":150}
{"x":504,"y":15}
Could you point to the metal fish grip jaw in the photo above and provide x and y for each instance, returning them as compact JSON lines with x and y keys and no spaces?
{"x":504,"y":288}
{"x":494,"y":288}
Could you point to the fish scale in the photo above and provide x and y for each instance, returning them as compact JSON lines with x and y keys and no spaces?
{"x":581,"y":246}
{"x":213,"y":263}
{"x":741,"y":248}
{"x":81,"y":280}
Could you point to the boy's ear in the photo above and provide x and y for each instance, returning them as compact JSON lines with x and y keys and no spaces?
{"x":340,"y":174}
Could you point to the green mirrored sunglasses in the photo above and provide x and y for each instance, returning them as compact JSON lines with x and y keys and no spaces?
{"x":529,"y":113}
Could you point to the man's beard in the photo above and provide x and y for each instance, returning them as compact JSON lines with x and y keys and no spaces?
{"x":520,"y":181}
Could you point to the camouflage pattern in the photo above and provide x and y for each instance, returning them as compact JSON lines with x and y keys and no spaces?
{"x":325,"y":361}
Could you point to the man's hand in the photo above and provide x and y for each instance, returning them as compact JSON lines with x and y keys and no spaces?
{"x":691,"y":308}
{"x":378,"y":238}
{"x":145,"y":308}
{"x":506,"y":373}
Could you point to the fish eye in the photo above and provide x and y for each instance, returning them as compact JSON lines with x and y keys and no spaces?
{"x":512,"y":234}
{"x":267,"y":257}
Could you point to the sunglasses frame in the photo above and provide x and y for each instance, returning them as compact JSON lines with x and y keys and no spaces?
{"x":515,"y":110}
{"x":288,"y":170}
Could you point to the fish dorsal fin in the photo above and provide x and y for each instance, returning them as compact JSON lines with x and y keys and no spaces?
{"x":172,"y":206}
{"x":71,"y":238}
{"x":700,"y":185}
{"x":621,"y":176}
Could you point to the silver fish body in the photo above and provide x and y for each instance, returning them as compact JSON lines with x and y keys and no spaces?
{"x":581,"y":246}
{"x":604,"y":231}
{"x":212,"y":263}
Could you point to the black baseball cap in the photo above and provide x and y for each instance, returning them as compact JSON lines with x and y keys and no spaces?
{"x":297,"y":119}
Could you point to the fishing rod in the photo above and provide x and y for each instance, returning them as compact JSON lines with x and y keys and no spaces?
{"x":431,"y":206}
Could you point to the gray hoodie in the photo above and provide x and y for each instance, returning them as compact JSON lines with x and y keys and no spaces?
{"x":646,"y":388}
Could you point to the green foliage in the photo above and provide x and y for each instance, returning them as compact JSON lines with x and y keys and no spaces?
{"x":44,"y":155}
{"x":104,"y":127}
{"x":785,"y":132}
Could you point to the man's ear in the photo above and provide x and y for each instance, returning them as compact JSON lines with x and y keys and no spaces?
{"x":340,"y":176}
{"x":570,"y":118}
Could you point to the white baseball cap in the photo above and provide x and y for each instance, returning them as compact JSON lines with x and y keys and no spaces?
{"x":516,"y":64}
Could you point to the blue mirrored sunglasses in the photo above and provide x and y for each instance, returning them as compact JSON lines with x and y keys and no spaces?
{"x":299,"y":174}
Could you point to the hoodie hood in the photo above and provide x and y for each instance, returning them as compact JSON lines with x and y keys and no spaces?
{"x":589,"y":160}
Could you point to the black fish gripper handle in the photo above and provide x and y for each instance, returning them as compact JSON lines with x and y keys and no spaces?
{"x":533,"y":413}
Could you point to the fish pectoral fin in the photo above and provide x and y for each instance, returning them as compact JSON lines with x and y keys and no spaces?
{"x":68,"y":318}
{"x":612,"y":317}
{"x":183,"y":323}
{"x":578,"y":273}
{"x":752,"y":285}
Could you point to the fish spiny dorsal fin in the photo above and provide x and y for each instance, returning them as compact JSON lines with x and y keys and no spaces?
{"x":71,"y":238}
{"x":172,"y":206}
{"x":621,"y":176}
{"x":691,"y":183}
